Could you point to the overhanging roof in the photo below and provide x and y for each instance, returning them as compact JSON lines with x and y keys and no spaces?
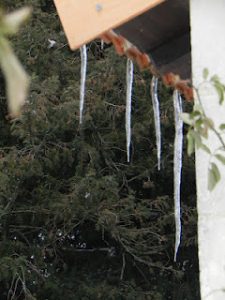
{"x":164,"y":33}
{"x":85,"y":20}
{"x":156,"y":27}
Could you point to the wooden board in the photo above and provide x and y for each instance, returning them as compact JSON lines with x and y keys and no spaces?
{"x":85,"y":20}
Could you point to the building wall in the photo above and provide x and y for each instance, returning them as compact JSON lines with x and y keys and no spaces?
{"x":208,"y":51}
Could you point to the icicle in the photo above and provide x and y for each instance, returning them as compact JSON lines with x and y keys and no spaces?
{"x":130,"y":75}
{"x":102,"y":44}
{"x":83,"y":55}
{"x":155,"y":103}
{"x":178,"y":147}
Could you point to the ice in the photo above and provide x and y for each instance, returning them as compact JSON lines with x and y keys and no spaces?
{"x":178,"y":149}
{"x":156,"y":110}
{"x":83,"y":55}
{"x":129,"y":77}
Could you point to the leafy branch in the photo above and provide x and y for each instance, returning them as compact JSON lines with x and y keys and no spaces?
{"x":200,"y":125}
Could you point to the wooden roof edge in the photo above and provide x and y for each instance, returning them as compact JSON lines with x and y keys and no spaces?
{"x":143,"y":60}
{"x":85,"y":20}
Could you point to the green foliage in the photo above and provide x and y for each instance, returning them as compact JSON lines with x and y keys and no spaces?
{"x":77,"y":221}
{"x":214,"y":176}
{"x":199,"y":127}
{"x":220,"y":88}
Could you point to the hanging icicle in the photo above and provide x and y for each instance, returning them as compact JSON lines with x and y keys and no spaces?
{"x":130,"y":77}
{"x":156,"y":110}
{"x":178,"y":149}
{"x":102,"y":44}
{"x":83,"y":55}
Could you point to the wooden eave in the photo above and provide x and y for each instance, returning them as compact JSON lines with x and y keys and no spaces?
{"x":85,"y":20}
{"x":164,"y":33}
{"x":153,"y":33}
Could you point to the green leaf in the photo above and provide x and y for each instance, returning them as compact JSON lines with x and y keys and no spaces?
{"x":204,"y":132}
{"x":221,"y":158}
{"x":222,"y":126}
{"x":205,"y":148}
{"x":196,"y":113}
{"x":194,"y":138}
{"x":220,"y":91}
{"x":17,"y":81}
{"x":208,"y":122}
{"x":187,"y":119}
{"x":220,"y":88}
{"x":191,"y":143}
{"x":11,"y":22}
{"x":197,"y":138}
{"x":215,"y":78}
{"x":205,"y":73}
{"x":213,"y":176}
{"x":198,"y":124}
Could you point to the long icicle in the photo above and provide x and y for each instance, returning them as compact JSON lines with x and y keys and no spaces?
{"x":129,"y":79}
{"x":156,"y":110}
{"x":178,"y":149}
{"x":83,"y":72}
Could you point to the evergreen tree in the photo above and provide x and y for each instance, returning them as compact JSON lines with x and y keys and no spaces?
{"x":77,"y":221}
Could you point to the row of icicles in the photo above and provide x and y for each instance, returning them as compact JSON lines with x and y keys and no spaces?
{"x":178,"y":143}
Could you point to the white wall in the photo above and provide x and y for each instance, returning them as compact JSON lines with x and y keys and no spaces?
{"x":208,"y":51}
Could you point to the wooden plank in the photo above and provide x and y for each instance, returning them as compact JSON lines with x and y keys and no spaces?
{"x":85,"y":20}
